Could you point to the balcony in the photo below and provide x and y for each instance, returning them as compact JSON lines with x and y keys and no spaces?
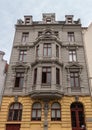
{"x":46,"y":91}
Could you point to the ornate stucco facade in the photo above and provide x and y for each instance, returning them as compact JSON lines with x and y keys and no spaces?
{"x":47,"y":81}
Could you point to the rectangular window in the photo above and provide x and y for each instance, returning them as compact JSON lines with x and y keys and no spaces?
{"x":22,"y":55}
{"x":71,"y":37}
{"x":35,"y":76}
{"x":46,"y":75}
{"x":57,"y":51}
{"x":37,"y":51}
{"x":56,"y":33}
{"x":74,"y":79}
{"x":47,"y":49}
{"x":39,"y":33}
{"x":27,"y":20}
{"x":69,"y":20}
{"x":25,"y":36}
{"x":72,"y":55}
{"x":48,"y":20}
{"x":19,"y":80}
{"x":57,"y":76}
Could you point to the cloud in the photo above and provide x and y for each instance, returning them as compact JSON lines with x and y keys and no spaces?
{"x":10,"y":11}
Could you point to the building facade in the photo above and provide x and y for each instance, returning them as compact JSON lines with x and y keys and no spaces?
{"x":3,"y":70}
{"x":47,"y":81}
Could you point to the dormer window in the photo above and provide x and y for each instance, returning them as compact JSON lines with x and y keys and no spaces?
{"x":27,"y":20}
{"x":69,"y":20}
{"x":48,"y":20}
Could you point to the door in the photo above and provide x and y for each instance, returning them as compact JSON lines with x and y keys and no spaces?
{"x":13,"y":127}
{"x":77,"y":116}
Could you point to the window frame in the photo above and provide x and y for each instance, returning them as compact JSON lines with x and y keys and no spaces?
{"x":46,"y":47}
{"x":18,"y":79}
{"x":37,"y":50}
{"x":72,"y":55}
{"x":55,"y":110}
{"x":75,"y":77}
{"x":13,"y":110}
{"x":36,"y":110}
{"x":57,"y":51}
{"x":71,"y":37}
{"x":45,"y":72}
{"x":22,"y":55}
{"x":25,"y":36}
{"x":57,"y":76}
{"x":35,"y":75}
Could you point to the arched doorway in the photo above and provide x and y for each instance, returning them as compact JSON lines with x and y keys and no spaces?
{"x":77,"y":116}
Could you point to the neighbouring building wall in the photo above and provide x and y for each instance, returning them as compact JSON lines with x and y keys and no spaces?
{"x":88,"y":48}
{"x":3,"y":69}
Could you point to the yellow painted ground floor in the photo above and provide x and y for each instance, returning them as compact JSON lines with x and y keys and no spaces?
{"x":64,"y":124}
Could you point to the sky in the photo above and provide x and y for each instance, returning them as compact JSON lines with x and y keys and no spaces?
{"x":11,"y":10}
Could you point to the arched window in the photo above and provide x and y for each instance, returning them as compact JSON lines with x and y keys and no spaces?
{"x":56,"y":112}
{"x":15,"y":112}
{"x":36,"y":112}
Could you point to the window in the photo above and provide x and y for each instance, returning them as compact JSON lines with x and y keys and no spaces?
{"x":48,"y":20}
{"x":36,"y":112}
{"x":57,"y":76}
{"x":71,"y":37}
{"x":72,"y":55}
{"x":25,"y":36}
{"x":22,"y":55}
{"x":27,"y":20}
{"x":74,"y":79}
{"x":57,"y":51}
{"x":46,"y":75}
{"x":69,"y":20}
{"x":15,"y":112}
{"x":56,"y":33}
{"x":35,"y":76}
{"x":37,"y":51}
{"x":47,"y":49}
{"x":19,"y":80}
{"x":56,"y":112}
{"x":39,"y":33}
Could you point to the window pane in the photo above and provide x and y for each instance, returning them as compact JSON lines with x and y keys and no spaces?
{"x":43,"y":77}
{"x":53,"y":113}
{"x":39,"y":113}
{"x":10,"y":115}
{"x":21,"y":82}
{"x":58,"y":113}
{"x":55,"y":105}
{"x":48,"y":77}
{"x":37,"y":105}
{"x":49,"y":51}
{"x":45,"y":52}
{"x":15,"y":116}
{"x":72,"y":82}
{"x":77,"y":82}
{"x":16,"y":106}
{"x":33,"y":113}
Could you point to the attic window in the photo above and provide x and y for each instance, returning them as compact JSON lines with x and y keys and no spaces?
{"x":69,"y":20}
{"x":27,"y":20}
{"x":48,"y":20}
